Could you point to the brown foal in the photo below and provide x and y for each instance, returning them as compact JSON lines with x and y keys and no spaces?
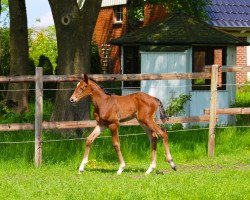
{"x":112,"y":109}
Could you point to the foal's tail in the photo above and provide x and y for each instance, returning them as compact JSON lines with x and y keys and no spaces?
{"x":163,"y":115}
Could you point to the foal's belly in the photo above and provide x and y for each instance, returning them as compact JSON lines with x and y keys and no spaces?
{"x":126,"y":113}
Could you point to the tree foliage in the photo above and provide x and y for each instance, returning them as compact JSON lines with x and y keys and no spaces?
{"x":193,"y":7}
{"x":4,"y":7}
{"x":4,"y":56}
{"x":43,"y":43}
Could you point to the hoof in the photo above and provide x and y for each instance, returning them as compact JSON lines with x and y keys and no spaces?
{"x":121,"y":168}
{"x":80,"y":171}
{"x":174,"y":168}
{"x":119,"y":172}
{"x":150,"y":169}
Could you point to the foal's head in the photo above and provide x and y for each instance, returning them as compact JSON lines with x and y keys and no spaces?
{"x":82,"y":90}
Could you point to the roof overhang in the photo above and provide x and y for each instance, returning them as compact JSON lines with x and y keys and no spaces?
{"x":179,"y":29}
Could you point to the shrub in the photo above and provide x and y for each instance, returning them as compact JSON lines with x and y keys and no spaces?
{"x":176,"y":104}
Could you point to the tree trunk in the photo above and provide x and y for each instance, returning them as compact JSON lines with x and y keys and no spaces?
{"x":19,"y":60}
{"x":74,"y":29}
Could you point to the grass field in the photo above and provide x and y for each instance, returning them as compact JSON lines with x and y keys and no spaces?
{"x":62,"y":182}
{"x":226,"y":176}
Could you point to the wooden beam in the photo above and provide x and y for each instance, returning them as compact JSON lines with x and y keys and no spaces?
{"x":92,"y":123}
{"x":230,"y":69}
{"x":107,"y":77}
{"x":38,"y":116}
{"x":123,"y":77}
{"x":17,"y":127}
{"x":230,"y":111}
{"x":213,"y":106}
{"x":236,"y":69}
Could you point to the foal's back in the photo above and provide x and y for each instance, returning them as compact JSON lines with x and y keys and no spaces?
{"x":135,"y":105}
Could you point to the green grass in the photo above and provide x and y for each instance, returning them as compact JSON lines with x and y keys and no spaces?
{"x":242,"y":100}
{"x":226,"y":176}
{"x":62,"y":182}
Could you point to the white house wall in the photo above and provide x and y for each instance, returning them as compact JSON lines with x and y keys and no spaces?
{"x":159,"y":62}
{"x":106,"y":3}
{"x":201,"y":100}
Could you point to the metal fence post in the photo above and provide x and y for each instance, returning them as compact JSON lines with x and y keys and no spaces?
{"x":213,"y":106}
{"x":38,"y":116}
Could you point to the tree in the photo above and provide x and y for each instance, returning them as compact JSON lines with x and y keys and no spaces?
{"x":74,"y":29}
{"x":44,"y":43}
{"x":4,"y":56}
{"x":4,"y":47}
{"x":135,"y":9}
{"x":17,"y":96}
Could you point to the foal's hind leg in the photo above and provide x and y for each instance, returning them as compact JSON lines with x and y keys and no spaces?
{"x":163,"y":134}
{"x":116,"y":143}
{"x":153,"y":139}
{"x":95,"y":133}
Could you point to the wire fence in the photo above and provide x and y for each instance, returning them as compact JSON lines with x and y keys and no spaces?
{"x":123,"y":135}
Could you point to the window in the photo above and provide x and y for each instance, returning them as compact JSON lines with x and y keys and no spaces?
{"x":207,"y":56}
{"x":118,"y":14}
{"x":131,"y":64}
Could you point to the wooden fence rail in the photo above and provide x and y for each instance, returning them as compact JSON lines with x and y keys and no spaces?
{"x":121,"y":77}
{"x":229,"y":111}
{"x":107,"y":77}
{"x":92,"y":123}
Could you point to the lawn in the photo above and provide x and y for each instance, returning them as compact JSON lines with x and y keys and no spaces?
{"x":226,"y":176}
{"x":203,"y":181}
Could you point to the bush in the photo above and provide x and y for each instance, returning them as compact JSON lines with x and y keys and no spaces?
{"x":176,"y":104}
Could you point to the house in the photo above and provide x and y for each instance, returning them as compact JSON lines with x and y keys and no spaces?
{"x":180,"y":44}
{"x":233,"y":16}
{"x":229,"y":15}
{"x":111,"y":23}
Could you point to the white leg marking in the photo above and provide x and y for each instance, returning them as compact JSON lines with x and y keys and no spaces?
{"x":121,"y":168}
{"x":151,"y":168}
{"x":84,"y":162}
{"x":95,"y":133}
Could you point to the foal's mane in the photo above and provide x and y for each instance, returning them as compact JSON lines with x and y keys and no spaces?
{"x":106,"y":92}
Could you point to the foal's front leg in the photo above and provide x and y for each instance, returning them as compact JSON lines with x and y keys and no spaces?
{"x":116,"y":143}
{"x":95,"y":133}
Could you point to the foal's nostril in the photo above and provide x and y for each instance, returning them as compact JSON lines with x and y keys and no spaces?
{"x":71,"y":100}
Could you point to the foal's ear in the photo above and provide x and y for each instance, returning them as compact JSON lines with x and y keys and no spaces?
{"x":86,"y":78}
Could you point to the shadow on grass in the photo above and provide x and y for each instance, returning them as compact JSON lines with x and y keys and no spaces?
{"x":112,"y":171}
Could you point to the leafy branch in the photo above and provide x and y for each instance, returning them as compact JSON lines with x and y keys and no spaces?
{"x":176,"y":104}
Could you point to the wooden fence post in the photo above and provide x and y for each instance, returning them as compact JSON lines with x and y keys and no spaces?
{"x":38,"y":116}
{"x":213,"y":106}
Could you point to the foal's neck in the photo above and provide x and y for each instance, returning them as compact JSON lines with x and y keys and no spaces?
{"x":98,"y":94}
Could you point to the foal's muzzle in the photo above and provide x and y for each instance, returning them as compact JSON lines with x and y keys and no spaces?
{"x":73,"y":100}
